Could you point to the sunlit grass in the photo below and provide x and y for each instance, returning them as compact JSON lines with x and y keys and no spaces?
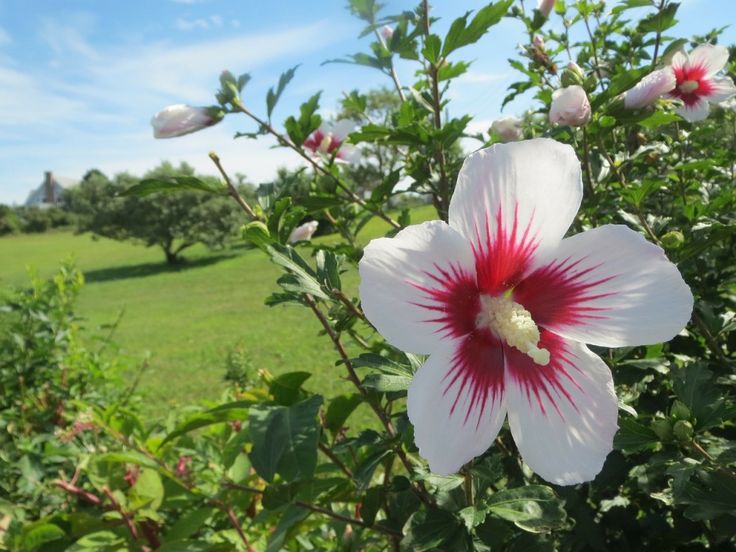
{"x":185,"y":320}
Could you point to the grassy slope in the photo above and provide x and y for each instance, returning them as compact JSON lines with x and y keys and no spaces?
{"x":187,"y":318}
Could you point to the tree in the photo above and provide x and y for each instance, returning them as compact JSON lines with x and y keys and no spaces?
{"x":173,"y":222}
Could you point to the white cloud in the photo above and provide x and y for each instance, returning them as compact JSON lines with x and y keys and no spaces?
{"x":94,"y":109}
{"x":477,"y":77}
{"x":203,"y":23}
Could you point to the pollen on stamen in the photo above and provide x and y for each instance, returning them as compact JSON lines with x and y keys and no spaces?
{"x":689,"y":86}
{"x":512,"y":323}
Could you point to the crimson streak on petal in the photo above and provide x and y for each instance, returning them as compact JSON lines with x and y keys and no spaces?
{"x":544,"y":382}
{"x":454,"y":302}
{"x":476,"y":373}
{"x":504,"y":255}
{"x":556,"y":294}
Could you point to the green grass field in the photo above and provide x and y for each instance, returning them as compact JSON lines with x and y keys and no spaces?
{"x":186,"y":318}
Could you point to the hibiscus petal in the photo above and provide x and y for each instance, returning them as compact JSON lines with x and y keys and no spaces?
{"x":456,"y":402}
{"x":419,"y":286}
{"x":563,"y":416}
{"x":721,"y":89}
{"x":512,"y":201}
{"x":709,"y":56}
{"x":610,"y":287}
{"x":694,"y":112}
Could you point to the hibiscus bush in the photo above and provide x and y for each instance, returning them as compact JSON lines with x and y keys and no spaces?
{"x":547,"y":365}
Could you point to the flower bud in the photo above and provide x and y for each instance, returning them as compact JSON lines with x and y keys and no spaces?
{"x":649,"y":89}
{"x":663,"y":429}
{"x":683,"y":430}
{"x":538,"y":41}
{"x":673,"y":240}
{"x":508,"y":129}
{"x":180,"y":119}
{"x":570,"y":106}
{"x":387,"y":32}
{"x":303,"y":232}
{"x":572,"y":75}
{"x":545,"y":7}
{"x":680,"y":411}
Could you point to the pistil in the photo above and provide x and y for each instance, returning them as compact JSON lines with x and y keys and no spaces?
{"x":512,"y":323}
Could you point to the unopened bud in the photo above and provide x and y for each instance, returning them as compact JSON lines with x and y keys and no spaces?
{"x":680,"y":411}
{"x":673,"y":240}
{"x":663,"y":429}
{"x":683,"y":430}
{"x":573,"y":74}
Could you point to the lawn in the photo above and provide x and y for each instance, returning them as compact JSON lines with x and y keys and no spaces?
{"x":182,"y":322}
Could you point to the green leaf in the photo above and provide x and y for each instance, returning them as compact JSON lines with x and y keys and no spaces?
{"x":150,"y":186}
{"x":384,"y":383}
{"x":127,"y":457}
{"x":257,"y":233}
{"x":364,"y":472}
{"x":99,"y":540}
{"x":305,"y":279}
{"x":658,"y":119}
{"x":308,"y":121}
{"x":534,"y":508}
{"x":224,"y":413}
{"x":35,"y":535}
{"x":189,"y":523}
{"x":292,"y":516}
{"x":272,"y":97}
{"x":461,"y":34}
{"x":340,"y":409}
{"x":660,"y":21}
{"x":431,"y":50}
{"x":694,"y":386}
{"x":285,"y":439}
{"x":632,"y":436}
{"x":382,"y":364}
{"x":286,"y":388}
{"x":435,"y":529}
{"x":148,"y":491}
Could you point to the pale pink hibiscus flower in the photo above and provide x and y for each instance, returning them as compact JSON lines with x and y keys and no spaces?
{"x":697,"y":83}
{"x":329,"y":141}
{"x":503,"y":306}
{"x":177,"y":120}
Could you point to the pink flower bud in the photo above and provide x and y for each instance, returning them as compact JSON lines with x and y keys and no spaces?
{"x":387,"y":32}
{"x":538,"y":41}
{"x":570,"y":106}
{"x":303,"y":232}
{"x":182,"y":466}
{"x":649,"y":89}
{"x":180,"y":119}
{"x":508,"y":129}
{"x":545,"y":7}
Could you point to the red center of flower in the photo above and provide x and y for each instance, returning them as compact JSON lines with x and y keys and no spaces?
{"x":555,"y":295}
{"x":320,"y":142}
{"x":692,"y":83}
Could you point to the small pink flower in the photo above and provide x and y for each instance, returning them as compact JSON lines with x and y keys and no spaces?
{"x":504,"y":304}
{"x":303,"y":232}
{"x":538,"y":41}
{"x":697,"y":83}
{"x":180,"y":119}
{"x":387,"y":32}
{"x":570,"y":106}
{"x":545,"y":7}
{"x":182,"y":466}
{"x":131,"y":476}
{"x":649,"y":89}
{"x":329,"y":141}
{"x":508,"y":129}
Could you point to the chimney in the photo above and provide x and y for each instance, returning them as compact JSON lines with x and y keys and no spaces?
{"x":48,"y":188}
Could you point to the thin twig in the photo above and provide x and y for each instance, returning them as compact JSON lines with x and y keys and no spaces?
{"x":132,"y":529}
{"x":345,"y":300}
{"x":355,"y":380}
{"x":231,"y":189}
{"x":392,"y":73}
{"x":335,"y":460}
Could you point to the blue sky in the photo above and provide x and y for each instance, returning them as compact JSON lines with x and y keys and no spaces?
{"x":80,"y":79}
